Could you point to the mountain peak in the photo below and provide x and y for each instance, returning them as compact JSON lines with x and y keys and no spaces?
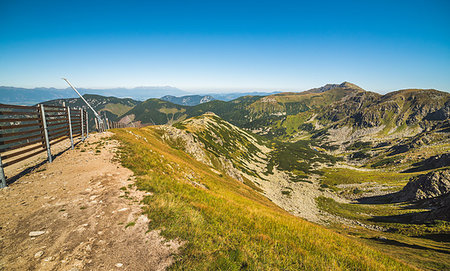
{"x":327,"y":87}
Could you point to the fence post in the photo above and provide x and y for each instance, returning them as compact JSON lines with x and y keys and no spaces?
{"x":2,"y":175}
{"x":87,"y":124}
{"x":70,"y":127}
{"x":44,"y":127}
{"x":81,"y":124}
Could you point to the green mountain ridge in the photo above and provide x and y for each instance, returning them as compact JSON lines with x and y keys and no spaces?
{"x":291,"y":116}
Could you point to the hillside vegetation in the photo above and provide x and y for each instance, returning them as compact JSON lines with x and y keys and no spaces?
{"x":227,"y":225}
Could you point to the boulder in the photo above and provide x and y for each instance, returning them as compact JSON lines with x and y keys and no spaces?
{"x":426,"y":186}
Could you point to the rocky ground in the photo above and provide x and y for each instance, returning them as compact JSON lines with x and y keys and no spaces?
{"x":79,"y":213}
{"x":298,"y":198}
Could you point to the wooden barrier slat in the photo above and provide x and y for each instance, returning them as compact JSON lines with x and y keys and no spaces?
{"x":23,"y":158}
{"x":11,"y":155}
{"x":54,"y":111}
{"x":57,"y":135}
{"x":20,"y":133}
{"x":19,"y":119}
{"x":20,"y":145}
{"x":58,"y":129}
{"x":5,"y":142}
{"x":56,"y":124}
{"x":61,"y":139}
{"x":53,"y":106}
{"x":17,"y":106}
{"x":59,"y":117}
{"x":18,"y":126}
{"x":19,"y":113}
{"x":56,"y":120}
{"x":54,"y":115}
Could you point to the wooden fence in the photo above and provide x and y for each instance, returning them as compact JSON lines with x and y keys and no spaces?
{"x":26,"y":131}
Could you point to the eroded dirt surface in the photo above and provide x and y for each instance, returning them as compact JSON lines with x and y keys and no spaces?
{"x":75,"y":214}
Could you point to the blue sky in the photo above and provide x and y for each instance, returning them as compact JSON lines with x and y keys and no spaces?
{"x":226,"y":45}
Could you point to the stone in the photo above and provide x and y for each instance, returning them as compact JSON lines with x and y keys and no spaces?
{"x":426,"y":186}
{"x":39,"y":254}
{"x":36,"y":233}
{"x":119,"y":265}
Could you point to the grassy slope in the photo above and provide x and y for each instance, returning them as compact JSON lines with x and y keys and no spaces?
{"x":227,"y":225}
{"x":335,"y":176}
{"x":424,"y":245}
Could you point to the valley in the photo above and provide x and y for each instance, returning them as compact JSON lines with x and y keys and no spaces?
{"x":333,"y":177}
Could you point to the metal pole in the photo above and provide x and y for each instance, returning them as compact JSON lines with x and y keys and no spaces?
{"x":87,"y":124}
{"x":82,"y":124}
{"x":44,"y":126}
{"x":2,"y":175}
{"x":107,"y":121}
{"x":96,"y":124}
{"x":70,"y":127}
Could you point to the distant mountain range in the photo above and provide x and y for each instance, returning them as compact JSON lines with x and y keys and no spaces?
{"x":189,"y":100}
{"x":26,"y":96}
{"x":31,"y":96}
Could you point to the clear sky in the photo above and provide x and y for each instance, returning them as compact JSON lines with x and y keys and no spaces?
{"x":224,"y":45}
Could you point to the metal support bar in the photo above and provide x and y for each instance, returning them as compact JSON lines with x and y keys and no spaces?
{"x":87,"y":124}
{"x":107,"y":127}
{"x":44,"y":126}
{"x":82,"y":124}
{"x":2,"y":175}
{"x":96,"y":124}
{"x":70,"y":127}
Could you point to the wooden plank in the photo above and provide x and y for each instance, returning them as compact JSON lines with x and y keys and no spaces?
{"x":27,"y":113}
{"x":55,"y":116}
{"x":57,"y":135}
{"x":20,"y":145}
{"x":52,"y":106}
{"x":23,"y":158}
{"x":56,"y":119}
{"x":54,"y":111}
{"x":11,"y":155}
{"x":61,"y":139}
{"x":20,"y":133}
{"x":18,"y":126}
{"x":19,"y":119}
{"x":17,"y":106}
{"x":5,"y":142}
{"x":58,"y":129}
{"x":56,"y":124}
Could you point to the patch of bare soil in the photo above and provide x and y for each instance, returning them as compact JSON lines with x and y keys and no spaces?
{"x":73,"y":215}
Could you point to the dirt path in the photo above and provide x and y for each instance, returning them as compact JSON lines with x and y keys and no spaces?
{"x":73,"y":215}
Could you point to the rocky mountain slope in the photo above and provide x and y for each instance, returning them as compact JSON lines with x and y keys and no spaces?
{"x":335,"y":112}
{"x":270,"y":169}
{"x":224,"y":223}
{"x":189,"y":100}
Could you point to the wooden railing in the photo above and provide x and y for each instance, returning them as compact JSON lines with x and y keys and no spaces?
{"x":26,"y":131}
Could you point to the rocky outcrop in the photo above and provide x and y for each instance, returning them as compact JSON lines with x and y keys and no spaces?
{"x":185,"y":141}
{"x":437,"y":161}
{"x":426,"y":186}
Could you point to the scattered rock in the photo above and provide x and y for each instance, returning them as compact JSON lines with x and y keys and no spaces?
{"x":119,"y":265}
{"x":39,"y":254}
{"x":36,"y":233}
